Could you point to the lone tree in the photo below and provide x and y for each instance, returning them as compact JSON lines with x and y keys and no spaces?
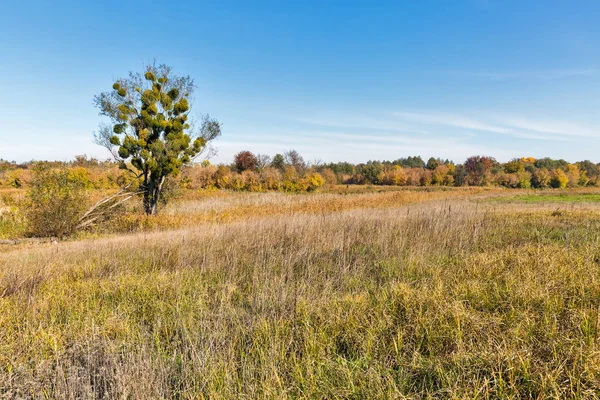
{"x":151,"y":134}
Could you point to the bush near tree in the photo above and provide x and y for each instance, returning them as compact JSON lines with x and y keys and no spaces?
{"x":56,"y":200}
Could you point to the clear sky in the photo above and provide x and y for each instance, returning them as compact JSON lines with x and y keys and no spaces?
{"x":336,"y":80}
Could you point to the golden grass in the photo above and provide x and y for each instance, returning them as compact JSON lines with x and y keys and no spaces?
{"x":373,"y":295}
{"x":196,"y":208}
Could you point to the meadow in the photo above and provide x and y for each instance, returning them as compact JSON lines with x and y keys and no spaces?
{"x":353,"y":293}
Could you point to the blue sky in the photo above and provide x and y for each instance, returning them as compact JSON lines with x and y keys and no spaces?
{"x":336,"y":80}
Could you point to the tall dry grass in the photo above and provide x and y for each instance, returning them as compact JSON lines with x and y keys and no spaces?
{"x":442,"y":299}
{"x":195,"y":208}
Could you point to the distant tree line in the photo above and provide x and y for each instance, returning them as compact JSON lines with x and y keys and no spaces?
{"x":260,"y":172}
{"x":525,"y":172}
{"x":290,"y":172}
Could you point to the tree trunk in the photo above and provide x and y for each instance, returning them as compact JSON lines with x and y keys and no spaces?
{"x":152,"y":190}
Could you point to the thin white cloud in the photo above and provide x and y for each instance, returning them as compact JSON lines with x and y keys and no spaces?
{"x":405,"y":126}
{"x":356,"y":121}
{"x":455,"y":120}
{"x":550,"y":74}
{"x":552,"y":126}
{"x":415,"y":124}
{"x":521,"y":127}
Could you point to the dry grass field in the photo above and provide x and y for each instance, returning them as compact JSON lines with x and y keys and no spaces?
{"x":462,"y":293}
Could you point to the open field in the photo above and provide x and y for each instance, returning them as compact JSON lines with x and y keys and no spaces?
{"x":201,"y":207}
{"x":371,"y":293}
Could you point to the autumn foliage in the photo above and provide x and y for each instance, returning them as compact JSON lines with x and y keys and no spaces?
{"x":245,"y":161}
{"x":291,"y":173}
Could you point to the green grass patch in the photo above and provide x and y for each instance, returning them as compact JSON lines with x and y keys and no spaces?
{"x":550,"y":198}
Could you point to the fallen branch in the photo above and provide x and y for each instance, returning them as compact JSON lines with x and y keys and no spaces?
{"x":105,"y":205}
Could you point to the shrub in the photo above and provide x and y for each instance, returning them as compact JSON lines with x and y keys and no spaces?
{"x":81,"y":175}
{"x":439,"y":174}
{"x":594,"y":181}
{"x":345,"y":179}
{"x":290,"y":173}
{"x":357,"y":179}
{"x":301,"y":185}
{"x":583,"y":179}
{"x":11,"y":224}
{"x":55,"y":202}
{"x":17,"y":178}
{"x":514,"y":166}
{"x":573,"y":175}
{"x":509,"y":180}
{"x":109,"y":177}
{"x":290,"y":182}
{"x":288,"y":186}
{"x":541,"y":178}
{"x":222,"y":177}
{"x":449,"y":180}
{"x":271,"y":178}
{"x":394,"y":176}
{"x":315,"y":181}
{"x":413,"y":176}
{"x":426,"y":178}
{"x":329,"y":176}
{"x":236,"y":182}
{"x":524,"y":179}
{"x":200,"y":176}
{"x":559,"y":179}
{"x":251,"y":181}
{"x":590,"y":169}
